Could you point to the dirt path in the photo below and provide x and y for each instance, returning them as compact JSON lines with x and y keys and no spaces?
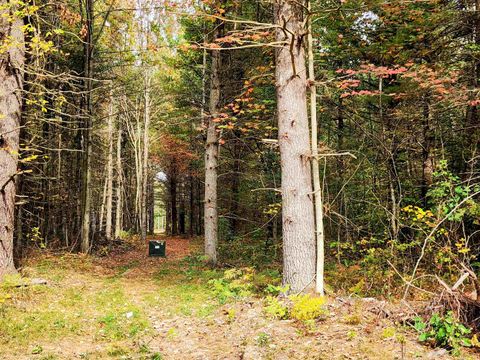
{"x":129,"y":306}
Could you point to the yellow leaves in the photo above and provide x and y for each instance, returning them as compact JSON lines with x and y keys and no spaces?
{"x":462,"y":247}
{"x":417,"y":214}
{"x":273,"y":209}
{"x":41,"y":103}
{"x":4,"y":298}
{"x":475,"y":343}
{"x":28,"y":28}
{"x":41,"y":46}
{"x":29,"y":159}
{"x":306,"y":307}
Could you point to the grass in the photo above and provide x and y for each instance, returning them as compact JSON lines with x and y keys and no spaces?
{"x":133,"y":308}
{"x":44,"y":313}
{"x":84,"y":302}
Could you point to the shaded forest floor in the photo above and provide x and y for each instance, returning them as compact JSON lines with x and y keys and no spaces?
{"x":129,"y":306}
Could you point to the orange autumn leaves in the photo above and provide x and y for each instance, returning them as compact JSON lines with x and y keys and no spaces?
{"x":442,"y":84}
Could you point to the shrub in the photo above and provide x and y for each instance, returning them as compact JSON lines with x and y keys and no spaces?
{"x":444,"y":331}
{"x":275,"y":309}
{"x":306,"y":307}
{"x":235,"y":283}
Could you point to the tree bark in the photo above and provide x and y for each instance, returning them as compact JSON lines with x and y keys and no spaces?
{"x":119,"y":188}
{"x":87,"y":134}
{"x":173,"y":205}
{"x":318,"y":195}
{"x":151,"y":205}
{"x":109,"y":200}
{"x":182,"y":210}
{"x":211,"y":162}
{"x":299,"y":253}
{"x":11,"y":85}
{"x":428,"y":163}
{"x":146,"y":127}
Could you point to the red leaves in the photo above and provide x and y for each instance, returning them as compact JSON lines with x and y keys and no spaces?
{"x":378,"y":71}
{"x":349,"y":84}
{"x":439,"y":83}
{"x":360,"y":93}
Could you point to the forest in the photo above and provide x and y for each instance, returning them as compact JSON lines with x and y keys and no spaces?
{"x":228,"y":179}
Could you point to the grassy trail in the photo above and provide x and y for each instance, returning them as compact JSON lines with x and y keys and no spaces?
{"x":129,"y":306}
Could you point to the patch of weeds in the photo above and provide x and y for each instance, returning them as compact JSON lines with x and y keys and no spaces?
{"x":306,"y":307}
{"x":231,"y":315}
{"x":48,"y":316}
{"x":48,"y":357}
{"x":121,"y":319}
{"x":310,"y":326}
{"x":186,"y":310}
{"x":276,"y":290}
{"x":37,"y":349}
{"x":143,"y":349}
{"x":353,"y":319}
{"x":444,"y":331}
{"x":194,"y":260}
{"x":357,"y":289}
{"x":116,"y":350}
{"x":172,"y":333}
{"x":165,"y":272}
{"x":235,"y":284}
{"x":263,"y":339}
{"x":147,"y":354}
{"x":351,"y":334}
{"x":275,"y":309}
{"x":206,"y":310}
{"x":268,"y":281}
{"x":189,"y":299}
{"x":389,"y":333}
{"x":4,"y":297}
{"x":11,"y":281}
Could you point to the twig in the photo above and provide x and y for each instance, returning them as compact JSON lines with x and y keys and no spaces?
{"x":425,"y":243}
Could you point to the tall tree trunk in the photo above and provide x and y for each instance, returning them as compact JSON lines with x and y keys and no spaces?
{"x":428,"y":166}
{"x":200,"y":208}
{"x":299,"y":253}
{"x":191,"y":198}
{"x":102,"y":206}
{"x":11,"y":84}
{"x":318,"y":196}
{"x":181,"y":210}
{"x":211,"y":162}
{"x":151,"y":205}
{"x":87,"y":134}
{"x":235,"y":190}
{"x":173,"y":205}
{"x":136,"y":140}
{"x":119,"y":188}
{"x":109,"y":199}
{"x":146,"y":127}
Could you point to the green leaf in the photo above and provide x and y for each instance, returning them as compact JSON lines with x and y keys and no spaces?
{"x":423,"y":337}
